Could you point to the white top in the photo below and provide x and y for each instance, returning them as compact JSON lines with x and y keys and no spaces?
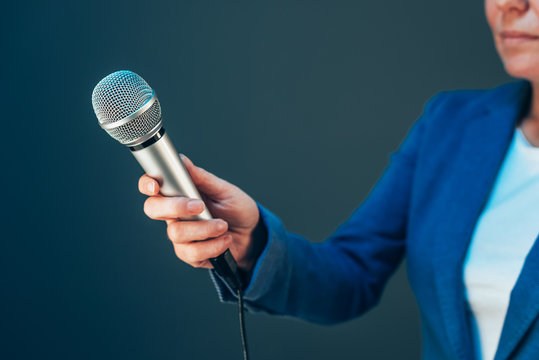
{"x":503,"y":236}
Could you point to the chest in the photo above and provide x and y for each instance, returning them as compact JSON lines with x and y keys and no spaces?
{"x":472,"y":204}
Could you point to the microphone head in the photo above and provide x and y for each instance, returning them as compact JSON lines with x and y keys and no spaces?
{"x":126,"y":107}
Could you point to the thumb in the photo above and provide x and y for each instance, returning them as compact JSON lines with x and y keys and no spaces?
{"x":206,"y":182}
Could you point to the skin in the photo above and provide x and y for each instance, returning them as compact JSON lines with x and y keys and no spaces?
{"x":515,"y":30}
{"x":234,"y":227}
{"x":519,"y":52}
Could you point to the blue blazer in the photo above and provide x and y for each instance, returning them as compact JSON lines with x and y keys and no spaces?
{"x":425,"y":207}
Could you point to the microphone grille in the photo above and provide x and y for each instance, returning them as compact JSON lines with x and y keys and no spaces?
{"x":118,"y":96}
{"x":139,"y":128}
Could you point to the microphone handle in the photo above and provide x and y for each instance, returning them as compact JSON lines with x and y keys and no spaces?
{"x":160,"y":160}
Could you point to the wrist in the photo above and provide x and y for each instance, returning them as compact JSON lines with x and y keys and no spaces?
{"x":257,"y":243}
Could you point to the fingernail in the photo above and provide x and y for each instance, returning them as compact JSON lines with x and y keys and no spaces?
{"x":151,"y":187}
{"x":221,"y":225}
{"x":195,"y":205}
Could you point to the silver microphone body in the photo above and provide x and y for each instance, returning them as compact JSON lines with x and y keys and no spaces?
{"x":129,"y":111}
{"x":160,"y":160}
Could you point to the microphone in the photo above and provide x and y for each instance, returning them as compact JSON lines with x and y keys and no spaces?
{"x":129,"y":111}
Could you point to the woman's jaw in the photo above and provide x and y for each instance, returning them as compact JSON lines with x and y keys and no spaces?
{"x":515,"y":29}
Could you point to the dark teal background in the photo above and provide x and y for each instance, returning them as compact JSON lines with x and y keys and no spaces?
{"x":297,"y":102}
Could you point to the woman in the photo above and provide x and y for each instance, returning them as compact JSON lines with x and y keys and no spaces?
{"x":460,"y":199}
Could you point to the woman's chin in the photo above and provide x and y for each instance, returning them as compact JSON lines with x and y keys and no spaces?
{"x":523,"y":68}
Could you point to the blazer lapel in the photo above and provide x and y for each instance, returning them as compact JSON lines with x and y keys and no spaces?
{"x":523,"y":305}
{"x":479,"y":156}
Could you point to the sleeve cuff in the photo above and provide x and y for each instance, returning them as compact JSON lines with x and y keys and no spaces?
{"x":267,"y":267}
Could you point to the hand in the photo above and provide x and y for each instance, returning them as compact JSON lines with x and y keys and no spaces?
{"x":236,"y":218}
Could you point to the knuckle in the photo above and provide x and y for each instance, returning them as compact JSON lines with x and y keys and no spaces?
{"x":174,"y":231}
{"x":192,"y":255}
{"x":180,"y":253}
{"x":183,"y":253}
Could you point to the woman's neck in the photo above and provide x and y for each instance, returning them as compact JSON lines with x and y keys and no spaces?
{"x":530,"y":124}
{"x":534,"y":105}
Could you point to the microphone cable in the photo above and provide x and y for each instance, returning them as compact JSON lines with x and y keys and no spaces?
{"x":243,"y":333}
{"x":227,"y":268}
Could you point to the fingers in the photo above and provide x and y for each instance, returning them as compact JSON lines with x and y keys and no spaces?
{"x":163,"y":208}
{"x":181,"y":232}
{"x":197,"y":253}
{"x":148,"y":186}
{"x":187,"y":235}
{"x":206,"y":182}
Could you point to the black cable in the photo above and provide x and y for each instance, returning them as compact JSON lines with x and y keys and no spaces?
{"x":226,"y":267}
{"x":242,"y":326}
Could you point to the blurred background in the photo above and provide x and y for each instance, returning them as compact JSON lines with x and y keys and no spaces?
{"x":299,"y":103}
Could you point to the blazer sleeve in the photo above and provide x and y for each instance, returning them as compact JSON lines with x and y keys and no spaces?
{"x":343,"y":276}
